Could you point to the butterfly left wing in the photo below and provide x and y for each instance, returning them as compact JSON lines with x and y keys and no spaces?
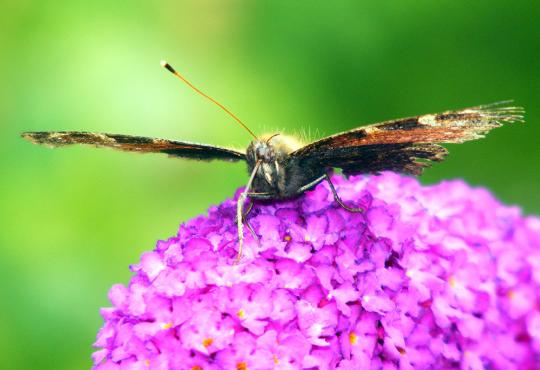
{"x":404,"y":145}
{"x":141,"y":144}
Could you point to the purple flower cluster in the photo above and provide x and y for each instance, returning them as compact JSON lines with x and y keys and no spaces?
{"x":434,"y":277}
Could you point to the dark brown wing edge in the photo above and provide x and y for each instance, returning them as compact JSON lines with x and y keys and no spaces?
{"x":138,"y":144}
{"x":405,"y":145}
{"x":405,"y":158}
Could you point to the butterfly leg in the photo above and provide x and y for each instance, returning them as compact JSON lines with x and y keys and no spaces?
{"x":261,"y":196}
{"x":239,"y":212}
{"x":253,"y":196}
{"x":338,"y":199}
{"x":245,"y":220}
{"x":310,"y":185}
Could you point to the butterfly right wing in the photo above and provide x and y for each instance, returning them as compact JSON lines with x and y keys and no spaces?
{"x":404,"y":145}
{"x":138,"y":144}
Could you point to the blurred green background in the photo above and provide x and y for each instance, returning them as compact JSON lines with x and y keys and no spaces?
{"x":72,"y":220}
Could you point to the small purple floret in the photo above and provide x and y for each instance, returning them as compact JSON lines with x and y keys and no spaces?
{"x":429,"y":277}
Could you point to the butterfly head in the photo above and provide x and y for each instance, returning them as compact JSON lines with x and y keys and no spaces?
{"x":272,"y":151}
{"x":264,"y":152}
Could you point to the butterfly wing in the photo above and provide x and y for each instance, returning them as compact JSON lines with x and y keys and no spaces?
{"x":139,"y":144}
{"x":404,"y":145}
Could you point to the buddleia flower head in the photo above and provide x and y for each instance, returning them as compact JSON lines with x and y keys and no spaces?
{"x":441,"y":276}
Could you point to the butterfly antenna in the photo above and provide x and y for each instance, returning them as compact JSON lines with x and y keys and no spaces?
{"x":177,"y":74}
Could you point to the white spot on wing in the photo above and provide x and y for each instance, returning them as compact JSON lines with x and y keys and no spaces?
{"x":428,"y":120}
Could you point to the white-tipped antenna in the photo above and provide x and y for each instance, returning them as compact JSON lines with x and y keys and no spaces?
{"x":169,"y":68}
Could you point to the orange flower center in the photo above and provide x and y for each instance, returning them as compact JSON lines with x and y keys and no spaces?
{"x":207,"y":342}
{"x":353,"y":338}
{"x":241,"y":314}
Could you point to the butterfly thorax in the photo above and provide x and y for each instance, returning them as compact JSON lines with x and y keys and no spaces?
{"x":279,"y":174}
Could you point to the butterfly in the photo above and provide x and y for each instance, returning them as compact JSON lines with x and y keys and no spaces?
{"x":281,"y":167}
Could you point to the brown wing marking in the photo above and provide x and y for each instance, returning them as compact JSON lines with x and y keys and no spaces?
{"x":407,"y":144}
{"x":407,"y":158}
{"x":135,"y":144}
